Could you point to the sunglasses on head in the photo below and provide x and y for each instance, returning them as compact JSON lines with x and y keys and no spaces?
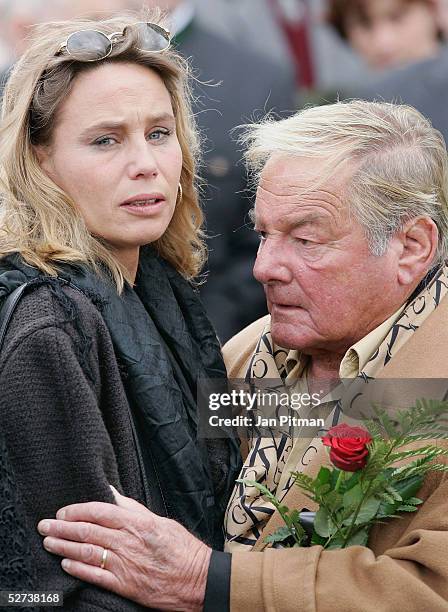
{"x":93,"y":45}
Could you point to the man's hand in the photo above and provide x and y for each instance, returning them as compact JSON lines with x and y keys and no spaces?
{"x":151,"y":560}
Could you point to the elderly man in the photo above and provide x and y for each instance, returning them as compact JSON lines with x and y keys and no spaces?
{"x":352,"y":214}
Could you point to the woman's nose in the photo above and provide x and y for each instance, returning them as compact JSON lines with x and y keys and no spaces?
{"x":142,"y":160}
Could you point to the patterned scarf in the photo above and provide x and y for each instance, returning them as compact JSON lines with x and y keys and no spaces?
{"x":248,"y":511}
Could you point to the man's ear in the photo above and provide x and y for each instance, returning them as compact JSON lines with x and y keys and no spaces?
{"x":419,"y":238}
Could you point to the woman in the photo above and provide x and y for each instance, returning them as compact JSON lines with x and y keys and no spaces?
{"x":100,"y":217}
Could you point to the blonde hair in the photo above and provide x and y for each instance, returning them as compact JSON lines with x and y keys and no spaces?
{"x":39,"y":220}
{"x":400,"y":161}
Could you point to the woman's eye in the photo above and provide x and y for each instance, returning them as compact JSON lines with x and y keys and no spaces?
{"x":159,"y":134}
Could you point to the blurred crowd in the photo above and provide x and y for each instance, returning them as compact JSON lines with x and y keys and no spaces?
{"x":251,"y":57}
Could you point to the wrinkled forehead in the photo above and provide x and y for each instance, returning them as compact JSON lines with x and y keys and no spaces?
{"x":295,"y":191}
{"x":292,"y":179}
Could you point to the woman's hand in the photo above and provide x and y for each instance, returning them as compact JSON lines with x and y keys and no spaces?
{"x":151,"y":560}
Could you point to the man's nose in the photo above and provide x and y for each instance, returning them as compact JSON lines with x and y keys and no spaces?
{"x":142,"y":160}
{"x":271,"y":264}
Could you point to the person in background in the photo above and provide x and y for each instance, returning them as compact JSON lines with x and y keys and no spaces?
{"x":294,"y":17}
{"x":388,"y":33}
{"x":404,"y":41}
{"x":18,"y":16}
{"x":245,"y":83}
{"x":442,"y":15}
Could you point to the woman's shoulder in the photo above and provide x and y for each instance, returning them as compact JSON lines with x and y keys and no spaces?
{"x":49,"y":305}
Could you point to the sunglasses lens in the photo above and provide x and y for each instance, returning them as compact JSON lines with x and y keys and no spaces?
{"x":150,"y":37}
{"x":88,"y":45}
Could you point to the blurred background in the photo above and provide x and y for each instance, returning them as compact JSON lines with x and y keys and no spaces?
{"x":252,"y":57}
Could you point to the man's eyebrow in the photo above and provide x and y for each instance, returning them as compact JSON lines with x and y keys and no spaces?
{"x":114,"y":125}
{"x":306,"y":220}
{"x":294,"y":223}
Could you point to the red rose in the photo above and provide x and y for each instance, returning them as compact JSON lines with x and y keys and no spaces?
{"x":348,"y":445}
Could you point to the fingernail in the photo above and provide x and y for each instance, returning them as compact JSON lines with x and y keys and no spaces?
{"x":47,"y":545}
{"x":44,"y":527}
{"x":60,"y":514}
{"x":65,"y":563}
{"x":115,"y":492}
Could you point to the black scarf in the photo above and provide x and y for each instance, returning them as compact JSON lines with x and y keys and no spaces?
{"x":164,"y":343}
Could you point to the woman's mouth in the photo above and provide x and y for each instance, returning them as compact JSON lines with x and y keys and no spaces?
{"x":144,"y":205}
{"x":143,"y":202}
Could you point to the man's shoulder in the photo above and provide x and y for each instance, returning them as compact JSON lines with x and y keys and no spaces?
{"x":238,"y":350}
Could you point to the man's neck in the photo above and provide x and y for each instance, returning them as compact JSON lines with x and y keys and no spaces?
{"x":323,"y":371}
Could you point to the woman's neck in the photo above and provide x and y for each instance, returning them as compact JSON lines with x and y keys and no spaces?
{"x":128,"y":258}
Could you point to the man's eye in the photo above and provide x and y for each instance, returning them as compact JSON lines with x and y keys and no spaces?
{"x":303,"y":241}
{"x":262,"y":235}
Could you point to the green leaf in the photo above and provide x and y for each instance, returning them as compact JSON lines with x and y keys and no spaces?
{"x":322,"y":489}
{"x":323,"y":476}
{"x":406,"y":508}
{"x":414,"y":501}
{"x":335,"y":543}
{"x":353,"y":496}
{"x":368,"y":510}
{"x":333,"y":500}
{"x":303,"y":481}
{"x":318,"y":540}
{"x":294,"y":517}
{"x":334,"y":477}
{"x":322,"y":524}
{"x":360,"y":538}
{"x":386,"y":510}
{"x":392,"y":491}
{"x":257,"y":485}
{"x":350,"y":482}
{"x":280,"y":535}
{"x":387,"y":498}
{"x":408,"y":487}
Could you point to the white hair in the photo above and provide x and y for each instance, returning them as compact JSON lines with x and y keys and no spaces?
{"x":401,"y":168}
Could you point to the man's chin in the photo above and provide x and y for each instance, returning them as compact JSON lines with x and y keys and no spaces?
{"x":287,"y":336}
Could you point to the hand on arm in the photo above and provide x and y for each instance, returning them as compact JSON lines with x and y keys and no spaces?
{"x":151,"y":560}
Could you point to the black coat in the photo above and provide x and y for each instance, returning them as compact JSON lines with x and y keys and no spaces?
{"x":72,"y":369}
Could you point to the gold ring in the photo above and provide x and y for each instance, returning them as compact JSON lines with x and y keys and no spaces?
{"x":104,"y":558}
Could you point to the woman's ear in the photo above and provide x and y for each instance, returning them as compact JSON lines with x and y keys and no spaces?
{"x":419,"y":237}
{"x":44,"y":158}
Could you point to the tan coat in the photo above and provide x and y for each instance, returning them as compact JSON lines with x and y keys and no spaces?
{"x":406,"y":566}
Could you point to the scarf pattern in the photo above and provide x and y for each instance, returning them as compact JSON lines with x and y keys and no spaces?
{"x":249,"y":511}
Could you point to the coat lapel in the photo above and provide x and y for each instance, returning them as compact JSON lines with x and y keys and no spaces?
{"x":423,"y":356}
